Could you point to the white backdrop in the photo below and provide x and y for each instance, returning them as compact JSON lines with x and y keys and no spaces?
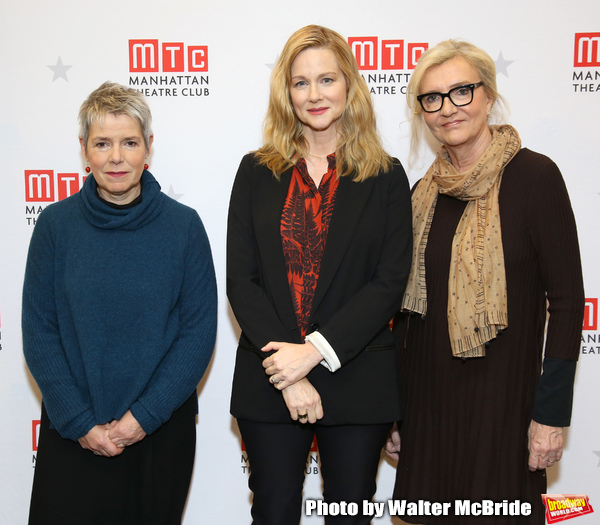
{"x":208,"y":96}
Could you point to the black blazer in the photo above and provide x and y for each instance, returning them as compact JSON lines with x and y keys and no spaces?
{"x":363,"y":273}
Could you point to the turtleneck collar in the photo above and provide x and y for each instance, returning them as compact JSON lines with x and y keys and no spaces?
{"x":106,"y":217}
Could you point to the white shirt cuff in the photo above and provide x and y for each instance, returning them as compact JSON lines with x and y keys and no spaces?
{"x":330,"y":358}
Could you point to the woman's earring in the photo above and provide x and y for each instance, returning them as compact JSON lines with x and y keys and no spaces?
{"x":87,"y":168}
{"x":146,"y":166}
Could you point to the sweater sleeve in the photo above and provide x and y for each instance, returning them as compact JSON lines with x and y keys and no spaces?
{"x":554,"y":395}
{"x":186,"y":361}
{"x":69,"y":409}
{"x":554,"y":234}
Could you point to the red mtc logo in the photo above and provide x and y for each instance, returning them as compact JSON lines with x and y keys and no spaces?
{"x":313,"y":447}
{"x":395,"y":54}
{"x":587,"y":50}
{"x":144,"y":57}
{"x":590,"y":317}
{"x":40,"y":186}
{"x":35,"y":431}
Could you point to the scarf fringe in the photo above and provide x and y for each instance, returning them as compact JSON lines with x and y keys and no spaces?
{"x":474,"y":344}
{"x":414,"y":304}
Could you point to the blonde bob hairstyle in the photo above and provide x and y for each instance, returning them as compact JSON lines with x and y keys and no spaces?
{"x":359,"y":152}
{"x":112,"y":98}
{"x":437,"y":55}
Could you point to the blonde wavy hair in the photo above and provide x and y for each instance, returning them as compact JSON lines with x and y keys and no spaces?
{"x":437,"y":55}
{"x":359,"y":152}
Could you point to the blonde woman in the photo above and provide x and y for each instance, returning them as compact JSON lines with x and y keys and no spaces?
{"x":319,"y":243}
{"x":495,"y":263}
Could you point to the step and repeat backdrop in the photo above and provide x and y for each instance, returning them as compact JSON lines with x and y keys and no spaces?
{"x":205,"y":68}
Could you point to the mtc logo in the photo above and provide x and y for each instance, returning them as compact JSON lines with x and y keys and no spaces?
{"x":40,"y":185}
{"x":587,"y":50}
{"x":395,"y":54}
{"x":35,"y":434}
{"x":146,"y":56}
{"x":590,"y":316}
{"x":313,"y":447}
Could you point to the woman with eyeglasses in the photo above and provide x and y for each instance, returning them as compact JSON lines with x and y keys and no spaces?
{"x":495,"y":262}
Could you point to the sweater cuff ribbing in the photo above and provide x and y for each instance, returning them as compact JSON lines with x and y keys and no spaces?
{"x":146,"y":420}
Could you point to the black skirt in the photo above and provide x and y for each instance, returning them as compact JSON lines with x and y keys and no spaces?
{"x":147,"y":484}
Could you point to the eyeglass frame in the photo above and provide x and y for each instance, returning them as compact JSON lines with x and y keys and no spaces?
{"x":472,"y":87}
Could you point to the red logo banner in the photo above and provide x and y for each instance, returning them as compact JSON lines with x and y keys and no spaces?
{"x":560,"y":507}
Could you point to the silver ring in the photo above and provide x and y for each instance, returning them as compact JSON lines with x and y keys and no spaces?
{"x":96,"y":453}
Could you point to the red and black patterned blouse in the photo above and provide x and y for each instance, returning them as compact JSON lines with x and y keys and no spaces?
{"x":304,"y":226}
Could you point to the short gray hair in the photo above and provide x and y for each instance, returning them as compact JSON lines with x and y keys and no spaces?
{"x":113,"y":98}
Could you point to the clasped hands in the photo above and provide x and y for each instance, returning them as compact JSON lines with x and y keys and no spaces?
{"x":110,"y":439}
{"x":287,"y":369}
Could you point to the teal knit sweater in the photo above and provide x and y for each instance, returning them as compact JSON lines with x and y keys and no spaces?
{"x":119,"y":308}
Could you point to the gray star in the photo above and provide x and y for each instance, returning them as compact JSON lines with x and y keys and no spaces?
{"x":60,"y":70}
{"x":597,"y":452}
{"x":171,"y":193}
{"x":502,"y":65}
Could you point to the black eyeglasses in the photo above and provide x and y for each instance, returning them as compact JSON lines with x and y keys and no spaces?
{"x":459,"y":96}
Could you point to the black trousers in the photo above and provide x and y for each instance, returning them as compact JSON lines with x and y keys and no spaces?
{"x":277,"y":454}
{"x":147,"y":484}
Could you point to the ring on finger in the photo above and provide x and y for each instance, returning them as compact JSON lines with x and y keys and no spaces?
{"x":302,"y":416}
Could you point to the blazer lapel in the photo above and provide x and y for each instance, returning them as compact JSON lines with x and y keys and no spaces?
{"x":350,"y":202}
{"x":270,"y":198}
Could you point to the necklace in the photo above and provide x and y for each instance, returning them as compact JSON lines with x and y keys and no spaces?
{"x":317,"y":157}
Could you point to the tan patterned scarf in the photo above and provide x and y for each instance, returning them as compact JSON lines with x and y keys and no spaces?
{"x":477,"y":282}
